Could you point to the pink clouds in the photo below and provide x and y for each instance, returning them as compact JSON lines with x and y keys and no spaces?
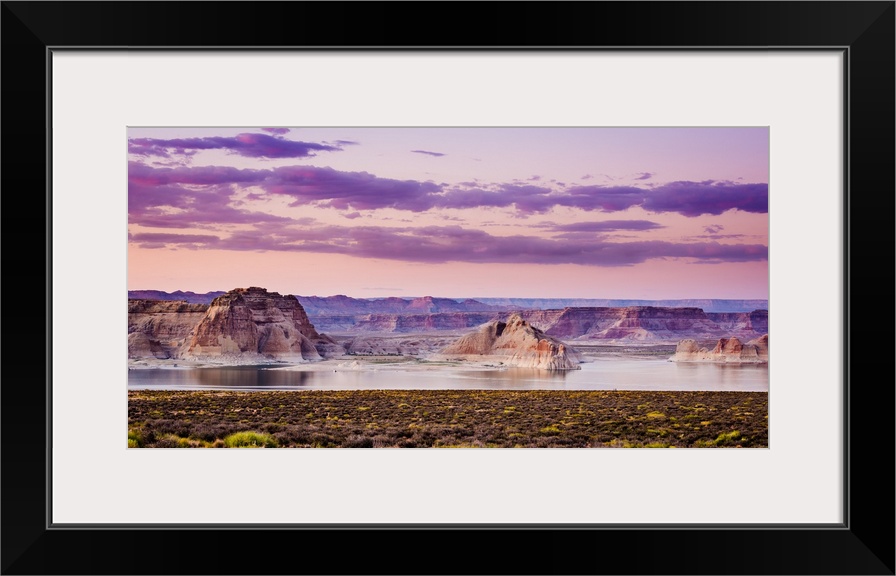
{"x":364,"y":191}
{"x":245,"y":196}
{"x":438,"y":244}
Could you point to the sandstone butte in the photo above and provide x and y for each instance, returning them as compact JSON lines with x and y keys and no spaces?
{"x":726,"y":350}
{"x":159,"y":328}
{"x":516,"y":343}
{"x":243,"y":324}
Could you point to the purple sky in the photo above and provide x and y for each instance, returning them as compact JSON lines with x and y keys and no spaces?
{"x":457,"y":212}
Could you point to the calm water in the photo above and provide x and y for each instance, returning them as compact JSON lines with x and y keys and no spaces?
{"x":601,"y":374}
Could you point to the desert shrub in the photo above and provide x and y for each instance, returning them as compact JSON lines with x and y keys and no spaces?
{"x":381,"y":441}
{"x":291,"y":435}
{"x":210,"y":432}
{"x":167,"y":441}
{"x":322,"y":441}
{"x":250,"y":440}
{"x":724,"y":439}
{"x":166,"y":426}
{"x":191,"y":443}
{"x":135,"y":438}
{"x":358,"y":441}
{"x":727,"y":438}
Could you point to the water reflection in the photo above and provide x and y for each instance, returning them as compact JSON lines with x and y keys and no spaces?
{"x":602,"y":374}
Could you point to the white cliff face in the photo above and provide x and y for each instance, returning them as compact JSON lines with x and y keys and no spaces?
{"x":157,"y":329}
{"x":516,"y":343}
{"x":726,"y":350}
{"x":253,"y":322}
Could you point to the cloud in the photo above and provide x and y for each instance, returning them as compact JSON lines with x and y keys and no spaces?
{"x":644,"y":176}
{"x":427,"y":152}
{"x":713,"y":228}
{"x":251,"y":145}
{"x":185,"y":197}
{"x":587,"y":177}
{"x":608,"y":226}
{"x":349,"y":190}
{"x":440,"y":244}
{"x":276,"y":130}
{"x":352,"y":215}
{"x":180,"y":187}
{"x":173,"y":238}
{"x":708,"y":197}
{"x":346,"y":142}
{"x":719,"y":236}
{"x":151,"y":241}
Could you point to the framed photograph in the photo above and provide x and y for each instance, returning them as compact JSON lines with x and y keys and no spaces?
{"x":786,"y":112}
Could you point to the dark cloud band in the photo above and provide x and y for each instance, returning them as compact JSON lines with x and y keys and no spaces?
{"x":440,"y":244}
{"x":191,"y":188}
{"x":249,"y":144}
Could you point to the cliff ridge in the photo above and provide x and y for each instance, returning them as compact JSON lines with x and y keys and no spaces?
{"x":516,"y":343}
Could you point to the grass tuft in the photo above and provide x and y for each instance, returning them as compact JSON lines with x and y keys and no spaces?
{"x":135,"y":438}
{"x":250,"y":440}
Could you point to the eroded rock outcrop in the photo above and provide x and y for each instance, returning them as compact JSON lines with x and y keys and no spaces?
{"x":158,"y":329}
{"x":250,"y":323}
{"x":632,"y":324}
{"x":414,"y":345}
{"x":516,"y":343}
{"x":726,"y":350}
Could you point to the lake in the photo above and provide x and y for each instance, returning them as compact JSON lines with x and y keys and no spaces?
{"x":600,"y":374}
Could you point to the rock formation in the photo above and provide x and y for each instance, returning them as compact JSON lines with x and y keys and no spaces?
{"x":252,"y":323}
{"x":634,"y":324}
{"x":741,"y":322}
{"x":188,"y":297}
{"x":708,"y":305}
{"x":410,"y":323}
{"x":726,"y":350}
{"x":516,"y":343}
{"x":343,"y":305}
{"x":631,"y":325}
{"x":400,"y":345}
{"x":157,"y":329}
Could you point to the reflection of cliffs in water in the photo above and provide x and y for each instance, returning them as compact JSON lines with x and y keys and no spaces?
{"x":607,"y":374}
{"x":229,"y":377}
{"x":251,"y":377}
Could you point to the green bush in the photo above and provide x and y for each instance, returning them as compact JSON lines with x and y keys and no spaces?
{"x":250,"y":440}
{"x":135,"y":438}
{"x":727,"y":438}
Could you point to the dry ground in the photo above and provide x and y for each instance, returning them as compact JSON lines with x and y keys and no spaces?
{"x":447,"y":418}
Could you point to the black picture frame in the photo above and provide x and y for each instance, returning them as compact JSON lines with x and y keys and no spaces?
{"x":864,"y":31}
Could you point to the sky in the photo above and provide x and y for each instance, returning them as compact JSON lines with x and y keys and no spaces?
{"x":629,"y":213}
